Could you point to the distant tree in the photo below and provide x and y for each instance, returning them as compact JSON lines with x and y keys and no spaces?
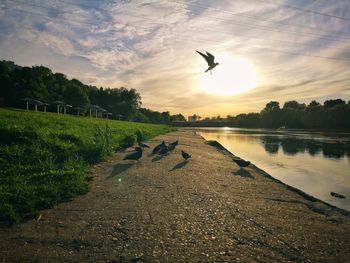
{"x":119,"y":101}
{"x":195,"y":117}
{"x":271,"y":116}
{"x":6,"y":81}
{"x":249,"y":120}
{"x":272,"y":105}
{"x":313,"y":104}
{"x":166,"y":116}
{"x":41,"y":83}
{"x":140,"y":117}
{"x":332,"y":103}
{"x":294,"y":105}
{"x":177,"y":117}
{"x":75,"y":95}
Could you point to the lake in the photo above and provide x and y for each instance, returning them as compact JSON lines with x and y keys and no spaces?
{"x":314,"y":161}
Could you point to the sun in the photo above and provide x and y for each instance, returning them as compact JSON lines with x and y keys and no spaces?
{"x":232,"y":76}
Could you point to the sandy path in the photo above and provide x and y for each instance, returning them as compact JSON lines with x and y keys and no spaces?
{"x":167,"y":210}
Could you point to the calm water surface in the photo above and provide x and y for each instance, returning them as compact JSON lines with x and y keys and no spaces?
{"x":316,"y":162}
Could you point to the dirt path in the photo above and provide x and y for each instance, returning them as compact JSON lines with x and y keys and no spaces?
{"x":167,"y":210}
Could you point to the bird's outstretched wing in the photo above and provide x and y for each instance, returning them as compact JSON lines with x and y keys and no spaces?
{"x":205,"y":57}
{"x":210,"y":58}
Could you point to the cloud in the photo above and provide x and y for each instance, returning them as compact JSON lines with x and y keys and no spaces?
{"x":150,"y":45}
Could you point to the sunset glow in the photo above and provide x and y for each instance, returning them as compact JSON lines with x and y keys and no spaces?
{"x":263,"y":49}
{"x":232,"y":76}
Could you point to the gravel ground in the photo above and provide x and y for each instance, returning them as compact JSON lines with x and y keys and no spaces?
{"x":163,"y":209}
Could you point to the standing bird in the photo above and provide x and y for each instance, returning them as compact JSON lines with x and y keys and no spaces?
{"x":174,"y":143}
{"x":241,"y":162}
{"x":337,"y":195}
{"x":185,"y":155}
{"x":210,"y":60}
{"x":158,"y":147}
{"x":164,"y":150}
{"x":142,"y":145}
{"x":135,"y":155}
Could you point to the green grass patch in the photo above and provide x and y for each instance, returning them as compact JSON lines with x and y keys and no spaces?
{"x":44,"y":157}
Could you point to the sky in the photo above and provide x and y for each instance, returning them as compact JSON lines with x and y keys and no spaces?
{"x":267,"y":50}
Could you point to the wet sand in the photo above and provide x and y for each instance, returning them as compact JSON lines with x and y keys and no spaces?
{"x":163,"y":209}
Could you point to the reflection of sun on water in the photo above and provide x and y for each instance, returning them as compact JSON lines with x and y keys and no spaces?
{"x":233,"y":75}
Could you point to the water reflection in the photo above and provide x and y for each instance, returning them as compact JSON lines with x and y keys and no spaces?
{"x":329,"y":148}
{"x":292,"y":146}
{"x":315,"y":162}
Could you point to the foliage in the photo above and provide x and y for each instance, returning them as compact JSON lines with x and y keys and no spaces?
{"x":42,"y":84}
{"x":146,"y":115}
{"x":333,"y":114}
{"x":43,"y":156}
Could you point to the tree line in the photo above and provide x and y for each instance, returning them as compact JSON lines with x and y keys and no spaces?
{"x":332,"y":114}
{"x":40,"y":83}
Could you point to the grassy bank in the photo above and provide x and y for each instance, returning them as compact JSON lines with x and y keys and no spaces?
{"x":43,"y":157}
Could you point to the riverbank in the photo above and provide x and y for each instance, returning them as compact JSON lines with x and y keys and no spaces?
{"x":164,"y":209}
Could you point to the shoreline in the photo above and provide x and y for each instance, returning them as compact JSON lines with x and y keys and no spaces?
{"x":323,"y":207}
{"x":165,"y":209}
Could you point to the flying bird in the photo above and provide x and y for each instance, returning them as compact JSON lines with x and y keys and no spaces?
{"x":158,"y":147}
{"x":185,"y":155}
{"x":210,"y":60}
{"x":135,"y":155}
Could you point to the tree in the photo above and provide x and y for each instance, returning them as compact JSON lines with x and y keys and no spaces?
{"x":177,"y":117}
{"x":332,"y":103}
{"x":294,"y":105}
{"x":313,"y":104}
{"x":272,"y":105}
{"x":271,"y":115}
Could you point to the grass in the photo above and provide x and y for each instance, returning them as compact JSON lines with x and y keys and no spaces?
{"x":44,"y":157}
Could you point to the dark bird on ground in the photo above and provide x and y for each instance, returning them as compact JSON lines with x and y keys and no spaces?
{"x":210,"y":60}
{"x":135,"y":155}
{"x":337,"y":195}
{"x":171,"y":147}
{"x":164,"y":150}
{"x":158,"y":147}
{"x":174,"y":143}
{"x":241,"y":163}
{"x":142,"y":145}
{"x":185,"y":155}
